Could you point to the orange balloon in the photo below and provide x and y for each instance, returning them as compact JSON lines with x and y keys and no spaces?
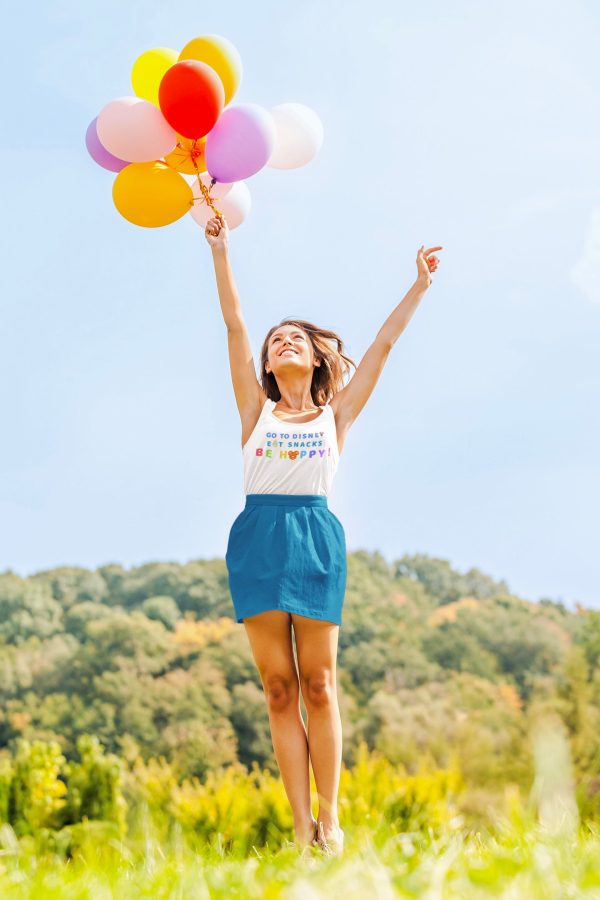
{"x":221,"y":55}
{"x":186,"y":153}
{"x":151,"y":194}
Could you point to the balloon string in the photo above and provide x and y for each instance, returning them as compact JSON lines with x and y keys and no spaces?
{"x":208,"y":198}
{"x":204,"y":190}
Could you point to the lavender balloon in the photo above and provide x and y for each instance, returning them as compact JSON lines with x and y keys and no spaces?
{"x":98,"y":151}
{"x":240,"y":143}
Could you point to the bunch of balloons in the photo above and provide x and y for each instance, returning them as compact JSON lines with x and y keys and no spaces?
{"x":179,"y":124}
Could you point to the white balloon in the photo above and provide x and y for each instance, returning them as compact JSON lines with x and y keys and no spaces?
{"x":298,"y":135}
{"x":235,"y":205}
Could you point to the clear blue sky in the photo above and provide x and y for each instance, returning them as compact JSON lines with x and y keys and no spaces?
{"x":470,"y":125}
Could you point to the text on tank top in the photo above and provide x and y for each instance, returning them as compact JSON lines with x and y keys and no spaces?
{"x":286,"y":458}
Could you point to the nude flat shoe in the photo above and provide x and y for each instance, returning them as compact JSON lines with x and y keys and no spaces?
{"x":305,"y":851}
{"x":333,"y":844}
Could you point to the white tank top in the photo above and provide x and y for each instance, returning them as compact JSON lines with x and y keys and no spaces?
{"x":285,"y":458}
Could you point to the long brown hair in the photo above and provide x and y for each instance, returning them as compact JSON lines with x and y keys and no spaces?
{"x":328,"y":378}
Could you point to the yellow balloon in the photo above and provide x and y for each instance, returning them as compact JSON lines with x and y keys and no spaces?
{"x":185,"y":153}
{"x":151,"y":194}
{"x":148,"y":70}
{"x":221,"y":55}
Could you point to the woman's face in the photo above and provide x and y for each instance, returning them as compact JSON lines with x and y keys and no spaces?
{"x":289,"y":349}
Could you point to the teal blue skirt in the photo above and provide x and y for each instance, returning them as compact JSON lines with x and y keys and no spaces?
{"x":288,"y":552}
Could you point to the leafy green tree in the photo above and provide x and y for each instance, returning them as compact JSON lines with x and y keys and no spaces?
{"x":410,"y":668}
{"x":115,"y":577}
{"x":588,"y":635}
{"x":578,"y":711}
{"x":80,"y":614}
{"x":124,"y":637}
{"x":27,"y":608}
{"x":191,"y":711}
{"x":556,"y":605}
{"x":464,"y":715}
{"x":452,"y":647}
{"x":199,"y":586}
{"x":445,"y":583}
{"x":368,"y":662}
{"x":233,"y":656}
{"x":59,"y":717}
{"x":523,"y":647}
{"x":70,"y":585}
{"x":162,"y":609}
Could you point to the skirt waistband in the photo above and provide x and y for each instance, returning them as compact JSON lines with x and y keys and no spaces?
{"x":286,"y":500}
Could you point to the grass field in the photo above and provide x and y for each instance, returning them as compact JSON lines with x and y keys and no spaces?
{"x":511,"y":860}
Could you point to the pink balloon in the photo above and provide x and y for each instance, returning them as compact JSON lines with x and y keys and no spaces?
{"x":235,"y":206}
{"x":134,"y":129}
{"x":240,"y":143}
{"x":99,"y":153}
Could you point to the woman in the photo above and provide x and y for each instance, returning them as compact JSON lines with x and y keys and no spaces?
{"x":286,"y":553}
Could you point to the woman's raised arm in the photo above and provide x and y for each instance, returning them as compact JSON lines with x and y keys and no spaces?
{"x":249,"y":395}
{"x":348,"y":402}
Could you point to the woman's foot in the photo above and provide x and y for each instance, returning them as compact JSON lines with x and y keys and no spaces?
{"x":332,"y":841}
{"x":306,"y":835}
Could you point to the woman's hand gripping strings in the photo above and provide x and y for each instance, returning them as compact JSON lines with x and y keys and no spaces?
{"x":217,"y":233}
{"x":426,"y":264}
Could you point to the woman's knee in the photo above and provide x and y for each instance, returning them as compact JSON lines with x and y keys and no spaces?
{"x":270,"y":637}
{"x":282,"y":691}
{"x":318,"y":688}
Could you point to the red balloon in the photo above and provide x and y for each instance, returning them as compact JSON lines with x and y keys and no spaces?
{"x":191,"y":97}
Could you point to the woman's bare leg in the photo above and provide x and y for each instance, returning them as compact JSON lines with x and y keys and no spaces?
{"x":270,"y":637}
{"x":316,"y":643}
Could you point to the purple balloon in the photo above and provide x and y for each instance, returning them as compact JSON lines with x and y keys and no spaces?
{"x":99,"y":153}
{"x":240,"y":143}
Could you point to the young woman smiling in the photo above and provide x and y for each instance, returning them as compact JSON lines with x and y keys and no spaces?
{"x":286,"y":552}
